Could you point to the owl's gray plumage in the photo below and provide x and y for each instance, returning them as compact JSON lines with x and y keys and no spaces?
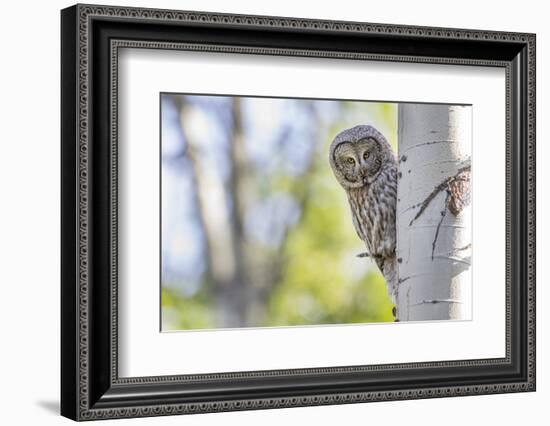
{"x":365,"y":166}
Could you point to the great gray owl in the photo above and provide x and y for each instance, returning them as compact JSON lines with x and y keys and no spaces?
{"x":364,"y":164}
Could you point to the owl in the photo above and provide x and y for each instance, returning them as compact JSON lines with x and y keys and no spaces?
{"x":365,"y":166}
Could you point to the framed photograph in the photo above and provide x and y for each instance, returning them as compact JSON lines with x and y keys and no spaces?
{"x":263,"y":212}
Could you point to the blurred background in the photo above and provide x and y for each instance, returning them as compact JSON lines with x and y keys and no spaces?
{"x":256,"y":231}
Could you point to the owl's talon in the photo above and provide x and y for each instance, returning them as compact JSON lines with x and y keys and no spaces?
{"x":374,"y":256}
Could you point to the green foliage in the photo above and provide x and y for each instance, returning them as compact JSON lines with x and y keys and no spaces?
{"x":184,"y":313}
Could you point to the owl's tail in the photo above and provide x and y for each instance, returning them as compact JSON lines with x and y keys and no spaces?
{"x":388,"y":267}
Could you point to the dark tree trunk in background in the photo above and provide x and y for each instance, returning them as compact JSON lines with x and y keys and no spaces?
{"x":241,"y":272}
{"x":222,"y":225}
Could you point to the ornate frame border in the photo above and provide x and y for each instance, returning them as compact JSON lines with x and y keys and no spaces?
{"x":90,"y":401}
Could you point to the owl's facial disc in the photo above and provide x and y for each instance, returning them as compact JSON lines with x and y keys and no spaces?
{"x":358,"y":162}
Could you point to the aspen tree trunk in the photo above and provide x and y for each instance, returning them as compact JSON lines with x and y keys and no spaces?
{"x":434,"y":213}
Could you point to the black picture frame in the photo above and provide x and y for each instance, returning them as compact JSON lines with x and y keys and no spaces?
{"x":90,"y":386}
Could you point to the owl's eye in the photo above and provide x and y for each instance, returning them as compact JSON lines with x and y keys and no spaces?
{"x":350,"y":161}
{"x":366,"y":155}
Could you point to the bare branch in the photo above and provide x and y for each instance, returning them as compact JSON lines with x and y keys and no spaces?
{"x":439,"y":188}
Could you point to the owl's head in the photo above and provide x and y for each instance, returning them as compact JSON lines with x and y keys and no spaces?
{"x":357,"y":155}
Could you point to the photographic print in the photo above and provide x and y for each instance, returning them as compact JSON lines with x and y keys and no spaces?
{"x":299,"y":212}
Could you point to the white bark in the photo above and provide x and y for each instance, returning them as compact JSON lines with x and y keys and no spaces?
{"x":433,"y":235}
